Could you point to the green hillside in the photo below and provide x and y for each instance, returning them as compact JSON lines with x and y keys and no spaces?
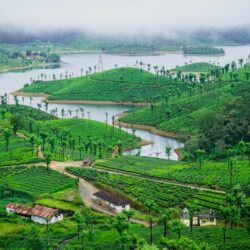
{"x":118,"y":85}
{"x":206,"y":113}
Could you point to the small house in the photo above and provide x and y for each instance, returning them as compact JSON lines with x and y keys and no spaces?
{"x":19,"y":209}
{"x":39,"y":214}
{"x":110,"y":201}
{"x":45,"y":215}
{"x":200,"y":218}
{"x":87,"y":162}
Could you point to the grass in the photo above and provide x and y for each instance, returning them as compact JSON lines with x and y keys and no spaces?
{"x":62,"y":205}
{"x":118,"y":85}
{"x":199,"y":67}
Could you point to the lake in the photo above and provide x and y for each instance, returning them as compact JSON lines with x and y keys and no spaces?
{"x":73,"y":63}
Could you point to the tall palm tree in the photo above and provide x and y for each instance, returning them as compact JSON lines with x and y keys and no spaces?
{"x":200,"y":153}
{"x":47,"y":158}
{"x":177,"y":226}
{"x":151,"y":205}
{"x":164,"y":219}
{"x":168,"y":150}
{"x":7,"y":134}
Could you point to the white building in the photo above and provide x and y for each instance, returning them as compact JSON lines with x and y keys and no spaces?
{"x":200,"y":218}
{"x":38,"y":214}
{"x":45,"y":215}
{"x":110,"y":201}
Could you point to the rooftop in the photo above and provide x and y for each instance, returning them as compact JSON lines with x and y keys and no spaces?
{"x":20,"y":209}
{"x":110,"y":198}
{"x":41,"y":211}
{"x":44,"y":212}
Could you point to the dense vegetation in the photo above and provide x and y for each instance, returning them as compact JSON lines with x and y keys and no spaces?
{"x":10,"y":57}
{"x":200,"y":67}
{"x":77,"y":138}
{"x":203,"y":50}
{"x":25,"y":139}
{"x":209,"y":110}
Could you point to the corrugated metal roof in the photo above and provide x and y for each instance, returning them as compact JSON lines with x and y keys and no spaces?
{"x":41,"y":211}
{"x":20,"y":209}
{"x":44,"y":212}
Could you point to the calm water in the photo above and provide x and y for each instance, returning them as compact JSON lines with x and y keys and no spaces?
{"x":11,"y":81}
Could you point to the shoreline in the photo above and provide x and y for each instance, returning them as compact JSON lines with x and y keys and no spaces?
{"x":88,"y":102}
{"x":149,"y":128}
{"x":28,"y":67}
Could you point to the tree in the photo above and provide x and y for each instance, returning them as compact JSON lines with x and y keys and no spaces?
{"x":43,"y":136}
{"x":120,"y":224}
{"x":225,"y":214}
{"x":165,"y":218}
{"x":7,"y":135}
{"x":200,"y":156}
{"x":235,"y":200}
{"x":46,"y":104}
{"x":246,"y":214}
{"x":3,"y":113}
{"x":242,"y":148}
{"x":32,"y":142}
{"x":128,"y":214}
{"x":47,"y":158}
{"x":119,"y":145}
{"x":151,"y":205}
{"x":177,"y":226}
{"x":16,"y":100}
{"x":16,"y":122}
{"x":192,"y":209}
{"x":168,"y":150}
{"x":80,"y":220}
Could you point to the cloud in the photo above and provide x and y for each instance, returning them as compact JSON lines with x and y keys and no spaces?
{"x":130,"y":17}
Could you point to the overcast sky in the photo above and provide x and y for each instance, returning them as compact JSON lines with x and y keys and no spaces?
{"x":123,"y":16}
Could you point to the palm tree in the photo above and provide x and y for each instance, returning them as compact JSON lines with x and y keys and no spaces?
{"x":43,"y":136}
{"x":151,"y":205}
{"x":177,"y":226}
{"x":32,"y":142}
{"x":46,"y":104}
{"x":81,"y":222}
{"x":62,"y":113}
{"x":120,"y":224}
{"x":192,"y":209}
{"x":39,"y":105}
{"x":16,"y":100}
{"x":200,"y":156}
{"x":119,"y":145}
{"x":7,"y":135}
{"x":242,"y":148}
{"x":164,"y":219}
{"x":3,"y":113}
{"x":128,"y":214}
{"x":168,"y":151}
{"x":47,"y":158}
{"x":225,"y":214}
